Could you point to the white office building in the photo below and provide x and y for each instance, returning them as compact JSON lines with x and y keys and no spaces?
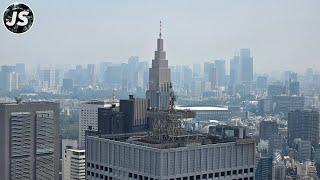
{"x":88,"y":118}
{"x":74,"y":165}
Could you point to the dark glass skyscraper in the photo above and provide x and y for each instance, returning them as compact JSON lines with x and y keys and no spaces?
{"x":303,"y":125}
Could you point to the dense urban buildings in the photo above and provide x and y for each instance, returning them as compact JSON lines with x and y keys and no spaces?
{"x":29,"y":138}
{"x":123,"y":118}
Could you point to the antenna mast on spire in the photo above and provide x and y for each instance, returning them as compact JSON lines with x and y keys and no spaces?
{"x":160,"y":34}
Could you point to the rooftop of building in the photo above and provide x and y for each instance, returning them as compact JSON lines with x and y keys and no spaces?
{"x":97,"y":102}
{"x":15,"y":103}
{"x":203,"y":108}
{"x":186,"y":140}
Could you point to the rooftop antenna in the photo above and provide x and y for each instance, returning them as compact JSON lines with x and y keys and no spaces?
{"x":113,"y":95}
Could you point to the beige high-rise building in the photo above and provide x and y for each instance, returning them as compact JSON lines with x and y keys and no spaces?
{"x":160,"y":87}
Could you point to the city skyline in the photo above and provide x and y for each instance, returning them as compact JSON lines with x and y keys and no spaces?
{"x":287,"y":34}
{"x":218,"y":90}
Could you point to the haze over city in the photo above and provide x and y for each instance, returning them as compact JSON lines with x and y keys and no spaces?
{"x":282,"y":35}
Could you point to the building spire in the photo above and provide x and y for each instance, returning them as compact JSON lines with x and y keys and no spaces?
{"x":160,"y":34}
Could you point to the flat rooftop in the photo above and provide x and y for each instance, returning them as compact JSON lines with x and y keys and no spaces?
{"x":186,"y":140}
{"x":203,"y":108}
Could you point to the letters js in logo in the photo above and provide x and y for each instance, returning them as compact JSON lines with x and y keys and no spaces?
{"x":18,"y":18}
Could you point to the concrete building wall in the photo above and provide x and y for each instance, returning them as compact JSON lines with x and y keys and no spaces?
{"x":30,"y":147}
{"x":121,"y":160}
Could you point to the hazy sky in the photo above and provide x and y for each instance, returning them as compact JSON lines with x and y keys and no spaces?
{"x":282,"y":34}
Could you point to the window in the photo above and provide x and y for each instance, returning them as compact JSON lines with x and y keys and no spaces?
{"x":251,"y":170}
{"x":222,"y":174}
{"x":234,"y":172}
{"x":228,"y":173}
{"x":240,"y":171}
{"x":88,"y":165}
{"x":216,"y":174}
{"x":245,"y":171}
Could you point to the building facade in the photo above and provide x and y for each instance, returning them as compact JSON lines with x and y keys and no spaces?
{"x":134,"y":159}
{"x":304,"y":125}
{"x":88,"y":118}
{"x":135,"y":113}
{"x":160,"y":87}
{"x":74,"y":165}
{"x":29,"y":138}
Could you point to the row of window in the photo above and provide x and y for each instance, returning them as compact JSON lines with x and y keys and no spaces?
{"x":140,"y":177}
{"x":99,"y":167}
{"x":204,"y":176}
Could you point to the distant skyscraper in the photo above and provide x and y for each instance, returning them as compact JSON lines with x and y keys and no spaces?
{"x":21,"y":70}
{"x":220,"y":66}
{"x":213,"y":77}
{"x":285,"y":104}
{"x":276,"y":89}
{"x":246,"y":65}
{"x":130,"y":117}
{"x":29,"y":138}
{"x":111,"y":121}
{"x":294,"y":88}
{"x":67,"y":85}
{"x":134,"y":110}
{"x":49,"y":78}
{"x":208,"y":66}
{"x":160,"y":87}
{"x":88,"y":118}
{"x":234,"y":74}
{"x":196,"y":70}
{"x":9,"y":79}
{"x":91,"y":74}
{"x":262,"y":82}
{"x":303,"y":125}
{"x":268,"y":129}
